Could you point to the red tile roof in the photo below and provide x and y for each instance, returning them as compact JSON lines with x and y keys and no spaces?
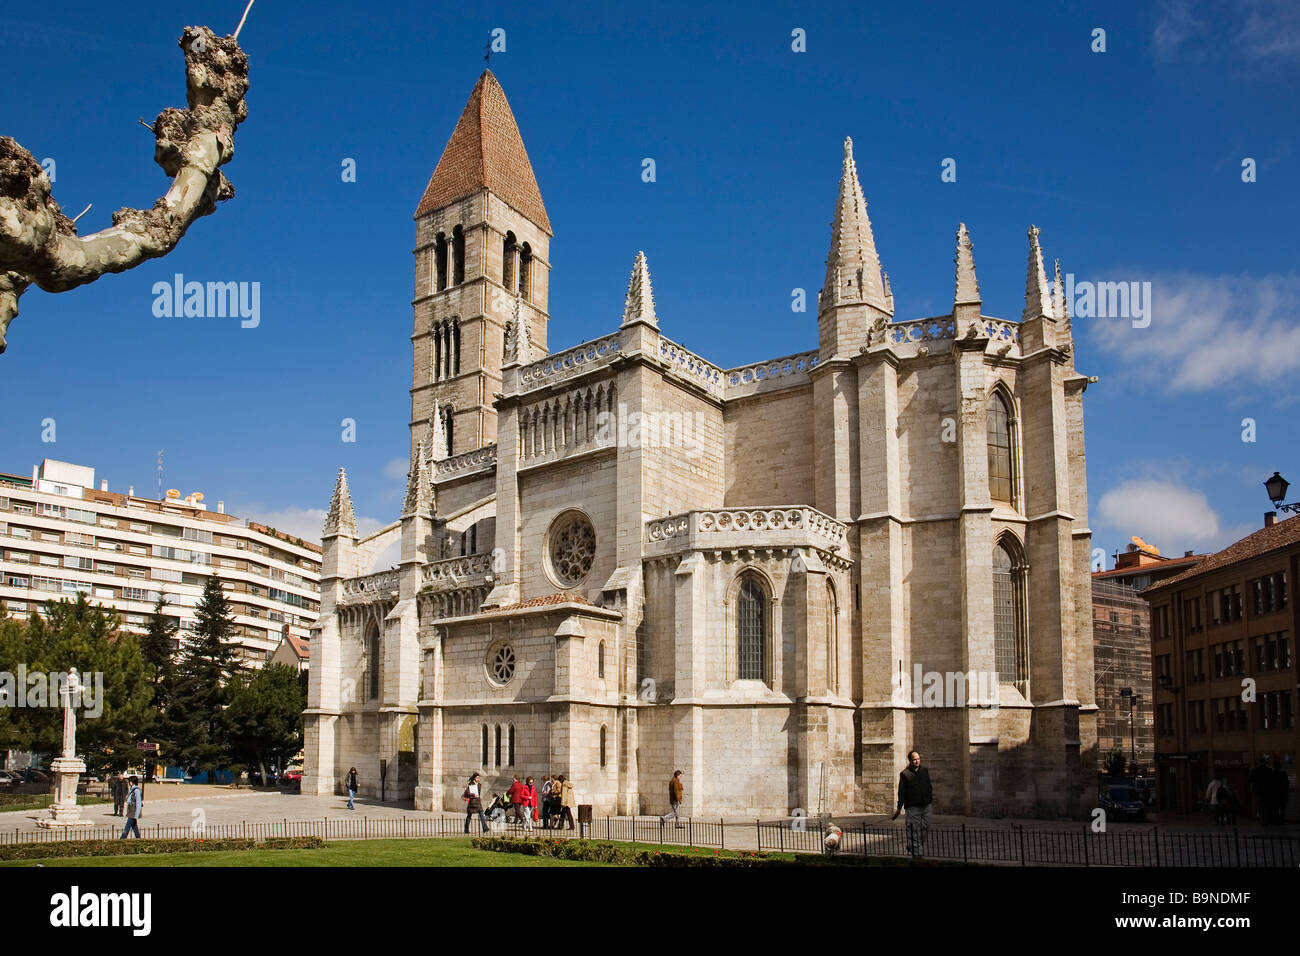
{"x":1138,"y":570}
{"x":557,"y":598}
{"x":300,"y":647}
{"x":486,"y":152}
{"x":1283,"y":534}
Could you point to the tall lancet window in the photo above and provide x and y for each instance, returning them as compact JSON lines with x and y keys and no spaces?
{"x":458,"y":255}
{"x":832,"y":640}
{"x":372,"y":662}
{"x":1009,"y":621}
{"x":455,"y":347}
{"x":448,"y":427}
{"x":525,"y":271}
{"x":751,"y":630}
{"x":440,"y":261}
{"x":999,"y":440}
{"x":508,"y":262}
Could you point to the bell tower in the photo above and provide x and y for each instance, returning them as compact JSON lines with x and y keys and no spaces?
{"x":482,"y":241}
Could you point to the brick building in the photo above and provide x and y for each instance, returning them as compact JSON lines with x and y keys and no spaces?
{"x":1121,"y":630}
{"x":619,"y":559}
{"x":1223,"y":640}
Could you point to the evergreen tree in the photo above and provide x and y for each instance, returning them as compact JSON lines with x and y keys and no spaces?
{"x":264,"y":719}
{"x":195,"y":710}
{"x":117,"y":703}
{"x":160,"y":648}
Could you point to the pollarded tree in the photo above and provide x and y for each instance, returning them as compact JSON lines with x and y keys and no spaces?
{"x":39,"y":245}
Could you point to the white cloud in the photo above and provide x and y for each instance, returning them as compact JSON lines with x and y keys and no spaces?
{"x":1259,"y":34}
{"x":397,"y":469}
{"x":1208,"y":332}
{"x":305,"y":523}
{"x":1171,"y":516}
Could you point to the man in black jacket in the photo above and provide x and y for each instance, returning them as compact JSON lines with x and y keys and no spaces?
{"x":915,"y":796}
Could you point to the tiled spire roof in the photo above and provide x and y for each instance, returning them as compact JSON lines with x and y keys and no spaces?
{"x":486,"y":151}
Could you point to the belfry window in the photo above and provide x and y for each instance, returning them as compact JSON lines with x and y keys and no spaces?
{"x":999,"y":442}
{"x":458,"y":255}
{"x":751,"y":631}
{"x":440,"y":262}
{"x":508,"y":262}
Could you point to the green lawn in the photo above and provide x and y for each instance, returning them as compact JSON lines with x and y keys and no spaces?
{"x":40,"y":801}
{"x":447,"y":851}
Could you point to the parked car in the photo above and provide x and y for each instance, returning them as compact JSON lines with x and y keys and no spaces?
{"x":292,"y":778}
{"x":1121,"y":802}
{"x":8,"y":777}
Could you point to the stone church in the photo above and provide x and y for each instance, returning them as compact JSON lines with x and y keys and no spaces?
{"x":778,"y":579}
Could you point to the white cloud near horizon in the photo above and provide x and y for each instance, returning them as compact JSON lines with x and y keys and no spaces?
{"x":1172,"y":516}
{"x":1256,"y":33}
{"x":1210,"y":333}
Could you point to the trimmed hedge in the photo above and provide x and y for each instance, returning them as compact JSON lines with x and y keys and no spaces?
{"x":600,"y":851}
{"x":134,"y":847}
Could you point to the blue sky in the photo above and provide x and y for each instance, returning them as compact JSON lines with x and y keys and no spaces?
{"x":1129,"y":160}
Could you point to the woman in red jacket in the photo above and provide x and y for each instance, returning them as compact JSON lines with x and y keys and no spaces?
{"x":530,"y":804}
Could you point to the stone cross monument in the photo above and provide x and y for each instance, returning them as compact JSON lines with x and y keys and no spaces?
{"x":67,"y":768}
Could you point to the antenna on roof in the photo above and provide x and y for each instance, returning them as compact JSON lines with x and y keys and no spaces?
{"x":487,"y":57}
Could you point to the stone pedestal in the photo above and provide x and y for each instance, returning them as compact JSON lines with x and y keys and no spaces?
{"x":64,"y":811}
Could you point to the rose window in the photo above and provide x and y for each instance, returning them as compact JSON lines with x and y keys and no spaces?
{"x":501,"y":665}
{"x":573,"y":548}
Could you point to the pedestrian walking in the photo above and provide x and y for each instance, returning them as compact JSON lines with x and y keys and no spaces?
{"x":530,"y":804}
{"x":473,"y":803}
{"x":134,"y":809}
{"x":915,"y":795}
{"x":117,"y":787}
{"x":518,"y":809}
{"x":352,"y":787}
{"x":548,"y":806}
{"x":567,"y":801}
{"x":675,"y":792}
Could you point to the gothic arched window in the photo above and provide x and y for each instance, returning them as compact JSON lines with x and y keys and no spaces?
{"x":508,"y":251}
{"x":455,"y":347}
{"x":485,"y":745}
{"x":832,"y":640}
{"x":602,"y":745}
{"x":458,"y":255}
{"x":372,"y":662}
{"x":1009,"y":617}
{"x":511,"y":751}
{"x":751,"y":630}
{"x":600,"y":660}
{"x":498,"y":747}
{"x":999,"y":442}
{"x":440,"y":253}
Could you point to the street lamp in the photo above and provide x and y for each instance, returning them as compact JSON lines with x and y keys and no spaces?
{"x":1276,"y":487}
{"x":1133,"y":699}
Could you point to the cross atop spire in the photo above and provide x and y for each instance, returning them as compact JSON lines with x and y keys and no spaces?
{"x":968,"y":287}
{"x":639,"y":306}
{"x":486,"y":151}
{"x":1037,"y":300}
{"x":853,"y":266}
{"x":341,"y":518}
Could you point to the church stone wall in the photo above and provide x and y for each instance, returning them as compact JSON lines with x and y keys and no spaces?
{"x":587,"y":484}
{"x":769,"y":449}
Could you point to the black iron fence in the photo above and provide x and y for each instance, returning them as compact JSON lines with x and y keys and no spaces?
{"x":1005,"y":845}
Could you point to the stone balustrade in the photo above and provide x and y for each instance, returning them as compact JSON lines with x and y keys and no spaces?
{"x":467,"y":461}
{"x":370,"y":587}
{"x":690,"y":367}
{"x":788,"y":526}
{"x":451,"y":573}
{"x":569,"y":362}
{"x":770,"y":375}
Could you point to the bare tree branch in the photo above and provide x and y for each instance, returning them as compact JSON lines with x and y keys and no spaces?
{"x":39,"y":245}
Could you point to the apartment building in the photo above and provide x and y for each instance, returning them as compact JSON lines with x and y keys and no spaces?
{"x":61,"y":535}
{"x":1224,"y":666}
